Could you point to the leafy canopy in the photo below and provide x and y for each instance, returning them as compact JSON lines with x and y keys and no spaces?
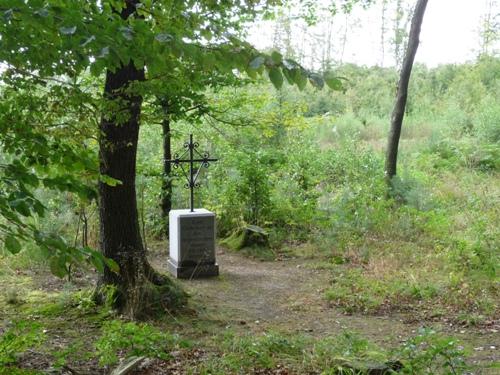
{"x":53,"y":55}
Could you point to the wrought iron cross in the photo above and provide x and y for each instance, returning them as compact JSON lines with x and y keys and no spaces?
{"x":194,"y":157}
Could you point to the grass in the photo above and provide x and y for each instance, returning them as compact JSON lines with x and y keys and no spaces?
{"x":296,"y":353}
{"x":435,"y":244}
{"x":228,"y":352}
{"x":429,"y":252}
{"x":18,"y":338}
{"x":383,"y":276}
{"x":133,"y":339}
{"x":65,"y":330}
{"x":417,"y":263}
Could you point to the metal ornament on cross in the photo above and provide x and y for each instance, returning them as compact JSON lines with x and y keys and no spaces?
{"x":194,"y":157}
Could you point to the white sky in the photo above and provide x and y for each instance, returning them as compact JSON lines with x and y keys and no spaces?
{"x":450,"y":33}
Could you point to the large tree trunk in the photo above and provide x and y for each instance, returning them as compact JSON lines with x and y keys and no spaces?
{"x":166,"y":188}
{"x":402,"y":92}
{"x":120,"y":237}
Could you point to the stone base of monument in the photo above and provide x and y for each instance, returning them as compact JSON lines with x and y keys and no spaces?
{"x":192,"y":244}
{"x":193,"y":272}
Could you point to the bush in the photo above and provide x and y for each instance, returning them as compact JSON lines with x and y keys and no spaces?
{"x":430,"y":353}
{"x":488,"y":119}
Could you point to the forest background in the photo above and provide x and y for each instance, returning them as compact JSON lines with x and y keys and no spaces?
{"x":307,"y":166}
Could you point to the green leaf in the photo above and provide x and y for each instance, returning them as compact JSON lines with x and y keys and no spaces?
{"x":277,"y":57}
{"x":97,"y":67}
{"x":333,"y":82}
{"x":164,"y":37}
{"x":208,"y":61}
{"x":206,"y":33}
{"x":316,"y":80}
{"x":113,"y":266}
{"x":290,"y":64}
{"x":288,"y":75}
{"x":110,"y":181}
{"x":7,"y":15}
{"x":55,"y":242}
{"x":21,"y":206}
{"x":127,"y":32}
{"x":251,"y":73}
{"x":276,"y":77}
{"x":97,"y":262}
{"x":67,"y":30}
{"x":300,"y":79}
{"x":257,"y":62}
{"x":39,"y":208}
{"x":12,"y":244}
{"x":57,"y":266}
{"x":42,"y":12}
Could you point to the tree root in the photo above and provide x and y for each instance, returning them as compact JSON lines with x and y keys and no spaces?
{"x":150,"y":295}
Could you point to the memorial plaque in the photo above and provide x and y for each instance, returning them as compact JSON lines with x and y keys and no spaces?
{"x":197,"y":238}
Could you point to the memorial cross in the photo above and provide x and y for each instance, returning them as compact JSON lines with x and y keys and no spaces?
{"x":194,"y":157}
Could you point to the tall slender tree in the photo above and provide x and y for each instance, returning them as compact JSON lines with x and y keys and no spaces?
{"x":489,"y":30}
{"x":383,"y":30}
{"x":402,"y":91}
{"x":166,"y":186}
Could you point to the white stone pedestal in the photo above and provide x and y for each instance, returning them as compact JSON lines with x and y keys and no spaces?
{"x":192,"y":244}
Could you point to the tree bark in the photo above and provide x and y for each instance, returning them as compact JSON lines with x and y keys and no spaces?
{"x":120,"y":237}
{"x":402,"y":92}
{"x":166,"y":188}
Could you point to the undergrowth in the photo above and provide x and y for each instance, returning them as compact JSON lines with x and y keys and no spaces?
{"x":434,"y":242}
{"x":123,"y":339}
{"x":348,"y":353}
{"x":107,"y":342}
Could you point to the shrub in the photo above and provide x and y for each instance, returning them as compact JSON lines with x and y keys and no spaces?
{"x":488,"y":119}
{"x":430,"y":353}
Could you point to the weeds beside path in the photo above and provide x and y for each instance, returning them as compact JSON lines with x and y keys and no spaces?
{"x":288,"y":296}
{"x":256,"y":317}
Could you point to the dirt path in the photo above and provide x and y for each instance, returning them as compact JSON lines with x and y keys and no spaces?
{"x":288,"y":296}
{"x":250,"y":297}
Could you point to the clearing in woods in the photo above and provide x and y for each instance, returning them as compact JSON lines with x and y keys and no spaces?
{"x":288,"y":296}
{"x":250,"y":298}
